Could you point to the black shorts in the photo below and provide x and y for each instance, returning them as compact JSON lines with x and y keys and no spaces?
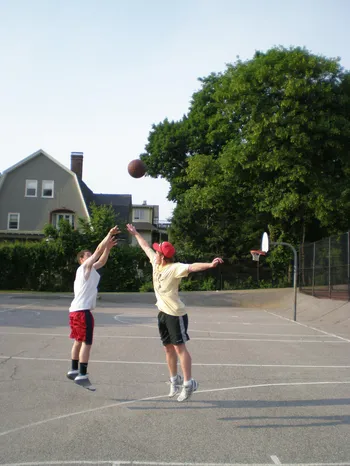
{"x":173,"y":329}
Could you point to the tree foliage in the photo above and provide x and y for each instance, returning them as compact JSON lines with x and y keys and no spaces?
{"x":265,"y":145}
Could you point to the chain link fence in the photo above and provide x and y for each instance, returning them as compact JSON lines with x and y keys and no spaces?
{"x":324,"y":267}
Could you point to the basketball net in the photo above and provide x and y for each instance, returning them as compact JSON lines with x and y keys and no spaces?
{"x":256,"y":253}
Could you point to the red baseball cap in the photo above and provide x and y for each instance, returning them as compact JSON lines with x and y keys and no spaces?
{"x":165,"y":248}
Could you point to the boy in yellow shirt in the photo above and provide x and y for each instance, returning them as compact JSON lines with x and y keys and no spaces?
{"x":172,"y":317}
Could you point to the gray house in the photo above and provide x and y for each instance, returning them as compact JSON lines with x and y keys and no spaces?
{"x":145,"y":217}
{"x":39,"y":190}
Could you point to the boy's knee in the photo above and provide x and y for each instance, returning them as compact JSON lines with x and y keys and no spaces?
{"x":180,"y":348}
{"x":169,"y":349}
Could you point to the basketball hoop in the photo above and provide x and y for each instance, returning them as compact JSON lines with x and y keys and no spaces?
{"x":256,"y":253}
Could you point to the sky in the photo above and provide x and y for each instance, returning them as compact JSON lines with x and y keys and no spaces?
{"x":93,"y":76}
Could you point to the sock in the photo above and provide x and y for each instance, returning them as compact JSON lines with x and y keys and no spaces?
{"x":75,"y":364}
{"x":173,"y":379}
{"x":83,"y":368}
{"x":187,"y":383}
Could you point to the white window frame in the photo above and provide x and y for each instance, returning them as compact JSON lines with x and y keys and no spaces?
{"x":42,"y":188}
{"x":8,"y":220}
{"x":36,"y":188}
{"x":56,"y":219}
{"x":140,"y":214}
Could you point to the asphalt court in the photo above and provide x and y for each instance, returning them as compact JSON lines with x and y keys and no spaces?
{"x":271,"y":391}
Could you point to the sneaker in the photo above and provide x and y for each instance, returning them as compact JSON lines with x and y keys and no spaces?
{"x":72,"y":374}
{"x":83,"y":381}
{"x":187,"y":391}
{"x":175,"y":386}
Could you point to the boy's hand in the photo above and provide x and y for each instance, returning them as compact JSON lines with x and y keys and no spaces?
{"x":111,"y":243}
{"x":131,"y":229}
{"x":114,"y":231}
{"x":217,"y":261}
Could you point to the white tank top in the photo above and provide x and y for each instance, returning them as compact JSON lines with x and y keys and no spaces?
{"x":85,"y":291}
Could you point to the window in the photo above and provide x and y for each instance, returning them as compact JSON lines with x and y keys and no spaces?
{"x":31,"y":188}
{"x":139,"y":214}
{"x":62,"y":216}
{"x":47,"y":188}
{"x":13,"y":221}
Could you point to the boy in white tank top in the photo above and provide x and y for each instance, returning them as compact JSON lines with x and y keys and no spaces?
{"x":80,"y":317}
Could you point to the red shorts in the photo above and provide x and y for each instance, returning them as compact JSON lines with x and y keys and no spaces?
{"x":82,"y":326}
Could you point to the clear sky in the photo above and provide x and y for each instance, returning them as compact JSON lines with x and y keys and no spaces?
{"x":94,"y":75}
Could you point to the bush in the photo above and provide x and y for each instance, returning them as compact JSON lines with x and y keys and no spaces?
{"x":208,"y":284}
{"x":189,"y":285}
{"x":146,"y":287}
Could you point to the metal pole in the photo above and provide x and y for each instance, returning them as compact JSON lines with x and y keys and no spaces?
{"x":295,"y":273}
{"x":348,"y":265}
{"x":313,"y":270}
{"x":329,"y":268}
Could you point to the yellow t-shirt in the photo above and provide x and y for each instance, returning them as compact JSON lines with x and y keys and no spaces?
{"x":166,"y":282}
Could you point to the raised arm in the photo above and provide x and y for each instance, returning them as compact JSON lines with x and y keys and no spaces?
{"x":103,"y":259}
{"x":140,"y":239}
{"x":101,"y":247}
{"x":201,"y":266}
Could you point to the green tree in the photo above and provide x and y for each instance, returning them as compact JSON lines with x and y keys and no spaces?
{"x":264,"y":145}
{"x":102,"y":219}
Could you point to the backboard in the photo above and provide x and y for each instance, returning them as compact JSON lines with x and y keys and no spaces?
{"x":265,"y":242}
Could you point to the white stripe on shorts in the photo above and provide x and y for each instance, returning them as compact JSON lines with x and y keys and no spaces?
{"x":182,"y":329}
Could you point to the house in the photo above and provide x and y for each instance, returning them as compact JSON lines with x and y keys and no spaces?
{"x":39,"y":190}
{"x":145,"y":218}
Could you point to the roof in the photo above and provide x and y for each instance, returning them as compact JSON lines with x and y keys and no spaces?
{"x":145,"y":226}
{"x":145,"y":206}
{"x":114,"y":199}
{"x":32,"y":156}
{"x":86,"y":192}
{"x":121,"y":203}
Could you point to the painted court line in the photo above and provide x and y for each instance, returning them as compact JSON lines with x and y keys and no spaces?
{"x":308,"y":326}
{"x":130,"y":322}
{"x":161,"y":463}
{"x":21,"y":307}
{"x":275,"y":459}
{"x":158,"y":397}
{"x":300,"y":335}
{"x":152,"y":363}
{"x":264,"y":334}
{"x":259,"y":340}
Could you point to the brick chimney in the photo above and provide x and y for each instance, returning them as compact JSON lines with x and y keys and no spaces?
{"x":76,"y":163}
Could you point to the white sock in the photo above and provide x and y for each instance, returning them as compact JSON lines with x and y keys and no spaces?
{"x":188,"y":382}
{"x":173,"y":379}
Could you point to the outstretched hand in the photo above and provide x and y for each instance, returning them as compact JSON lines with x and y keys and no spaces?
{"x":111,"y":243}
{"x":114,"y":231}
{"x":131,"y":229}
{"x":217,"y":261}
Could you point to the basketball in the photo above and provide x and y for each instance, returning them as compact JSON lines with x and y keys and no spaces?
{"x":136,"y":168}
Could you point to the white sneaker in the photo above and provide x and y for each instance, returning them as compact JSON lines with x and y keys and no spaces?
{"x":83,"y":381}
{"x":175,"y":386}
{"x":72,"y":374}
{"x":187,"y":391}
